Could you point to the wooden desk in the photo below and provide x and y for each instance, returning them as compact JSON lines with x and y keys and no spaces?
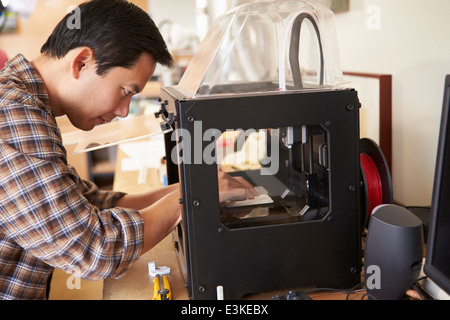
{"x":137,"y":284}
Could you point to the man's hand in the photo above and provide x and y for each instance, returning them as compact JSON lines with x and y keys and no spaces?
{"x":234,"y":188}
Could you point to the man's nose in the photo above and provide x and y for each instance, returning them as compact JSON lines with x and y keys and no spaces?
{"x":123,"y":108}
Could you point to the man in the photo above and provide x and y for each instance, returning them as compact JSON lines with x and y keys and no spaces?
{"x":49,"y":217}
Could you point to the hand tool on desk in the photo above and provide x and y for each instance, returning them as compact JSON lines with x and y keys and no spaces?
{"x":161,"y":291}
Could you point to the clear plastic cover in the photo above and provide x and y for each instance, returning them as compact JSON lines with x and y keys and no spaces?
{"x":266,"y":46}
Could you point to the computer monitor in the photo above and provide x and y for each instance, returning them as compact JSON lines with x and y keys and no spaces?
{"x":437,"y":262}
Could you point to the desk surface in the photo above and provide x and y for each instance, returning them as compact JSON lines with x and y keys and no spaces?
{"x":137,"y":284}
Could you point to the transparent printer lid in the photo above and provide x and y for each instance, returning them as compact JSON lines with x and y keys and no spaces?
{"x":266,"y":46}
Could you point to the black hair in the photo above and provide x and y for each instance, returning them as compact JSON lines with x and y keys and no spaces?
{"x":116,"y":30}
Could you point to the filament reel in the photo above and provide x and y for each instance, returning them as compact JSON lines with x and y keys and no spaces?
{"x":376,"y":182}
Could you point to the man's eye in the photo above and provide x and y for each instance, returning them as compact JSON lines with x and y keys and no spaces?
{"x":127,"y":92}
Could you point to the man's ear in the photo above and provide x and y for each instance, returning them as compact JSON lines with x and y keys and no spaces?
{"x":82,"y":59}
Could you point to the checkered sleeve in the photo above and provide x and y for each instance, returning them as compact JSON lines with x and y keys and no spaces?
{"x":50,"y":212}
{"x":102,"y":199}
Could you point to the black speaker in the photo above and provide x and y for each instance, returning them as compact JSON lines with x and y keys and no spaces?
{"x":393,"y":252}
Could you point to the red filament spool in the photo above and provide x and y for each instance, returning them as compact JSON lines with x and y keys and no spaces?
{"x":376,"y":183}
{"x":374,"y":186}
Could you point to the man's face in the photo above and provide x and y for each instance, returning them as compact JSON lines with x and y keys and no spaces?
{"x":100,"y":99}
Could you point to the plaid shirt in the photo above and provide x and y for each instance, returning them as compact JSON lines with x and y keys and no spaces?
{"x":49,"y":216}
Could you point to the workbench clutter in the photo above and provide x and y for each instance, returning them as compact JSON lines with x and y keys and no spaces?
{"x":263,"y":99}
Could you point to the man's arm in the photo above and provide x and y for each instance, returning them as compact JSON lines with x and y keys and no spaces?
{"x":160,"y":219}
{"x":160,"y":210}
{"x":143,"y":200}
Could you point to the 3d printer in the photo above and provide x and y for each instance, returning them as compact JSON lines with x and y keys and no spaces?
{"x":261,"y":100}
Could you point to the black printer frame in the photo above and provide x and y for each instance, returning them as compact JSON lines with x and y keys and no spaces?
{"x":323,"y":254}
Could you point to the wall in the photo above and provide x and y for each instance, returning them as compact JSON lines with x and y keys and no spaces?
{"x":408,"y":39}
{"x":176,"y":19}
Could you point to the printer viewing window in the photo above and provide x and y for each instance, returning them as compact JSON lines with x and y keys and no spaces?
{"x":296,"y":189}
